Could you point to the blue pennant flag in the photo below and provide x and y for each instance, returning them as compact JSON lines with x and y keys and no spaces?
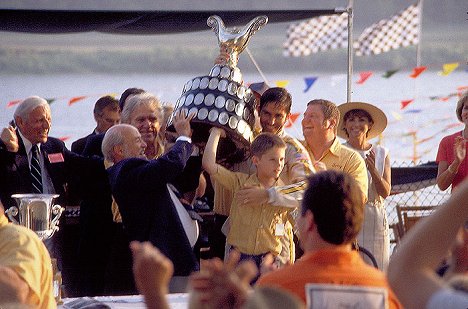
{"x":309,"y":82}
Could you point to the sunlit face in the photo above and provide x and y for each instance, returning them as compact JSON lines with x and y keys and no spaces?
{"x":271,"y":163}
{"x":134,"y":145}
{"x":107,"y":119}
{"x":357,"y":126}
{"x":36,"y":126}
{"x":314,"y":121}
{"x":273,"y":117}
{"x":145,"y":119}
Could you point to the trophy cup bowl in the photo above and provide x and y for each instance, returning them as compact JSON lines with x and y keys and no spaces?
{"x":36,"y":212}
{"x":220,"y":99}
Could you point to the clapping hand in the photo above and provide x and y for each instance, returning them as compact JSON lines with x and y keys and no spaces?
{"x":459,"y":149}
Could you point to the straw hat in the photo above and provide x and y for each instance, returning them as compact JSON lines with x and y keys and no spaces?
{"x":378,"y":117}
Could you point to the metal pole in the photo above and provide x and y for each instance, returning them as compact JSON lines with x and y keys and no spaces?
{"x":349,"y":9}
{"x":418,"y":47}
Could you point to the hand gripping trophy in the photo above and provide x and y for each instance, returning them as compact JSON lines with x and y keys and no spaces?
{"x":221,"y":99}
{"x":36,"y":212}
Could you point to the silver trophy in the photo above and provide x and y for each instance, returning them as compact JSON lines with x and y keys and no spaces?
{"x":36,"y":212}
{"x":220,"y":98}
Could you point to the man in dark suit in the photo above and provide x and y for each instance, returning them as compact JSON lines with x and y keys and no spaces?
{"x":106,"y":113}
{"x":33,"y":162}
{"x":140,"y":188}
{"x":95,"y":209}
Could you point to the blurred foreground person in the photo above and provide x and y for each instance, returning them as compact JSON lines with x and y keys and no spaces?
{"x":412,"y":268}
{"x":219,"y":285}
{"x":25,"y":267}
{"x":331,"y":217}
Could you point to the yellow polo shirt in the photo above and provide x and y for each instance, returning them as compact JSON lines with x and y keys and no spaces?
{"x":255,"y":229}
{"x":342,"y":158}
{"x":22,"y":251}
{"x":297,"y":166}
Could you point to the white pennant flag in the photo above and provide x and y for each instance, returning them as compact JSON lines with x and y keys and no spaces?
{"x":401,"y":30}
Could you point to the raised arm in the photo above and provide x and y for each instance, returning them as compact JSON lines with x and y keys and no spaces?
{"x":412,"y":268}
{"x":209,"y":156}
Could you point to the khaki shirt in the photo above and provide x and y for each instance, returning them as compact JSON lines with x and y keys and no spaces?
{"x":297,"y":166}
{"x":254,"y":229}
{"x":342,"y":158}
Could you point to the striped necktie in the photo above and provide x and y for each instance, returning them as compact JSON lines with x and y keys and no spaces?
{"x":36,"y":177}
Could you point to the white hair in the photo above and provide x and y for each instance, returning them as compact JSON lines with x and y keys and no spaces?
{"x":28,"y":105}
{"x":114,"y":137}
{"x":134,"y":101}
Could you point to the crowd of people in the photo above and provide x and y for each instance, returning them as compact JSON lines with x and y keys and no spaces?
{"x":293,"y":214}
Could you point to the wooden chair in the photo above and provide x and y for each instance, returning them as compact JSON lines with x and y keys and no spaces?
{"x":409,"y":215}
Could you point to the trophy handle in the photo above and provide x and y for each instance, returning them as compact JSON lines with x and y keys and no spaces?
{"x":57,"y":211}
{"x":12,"y":212}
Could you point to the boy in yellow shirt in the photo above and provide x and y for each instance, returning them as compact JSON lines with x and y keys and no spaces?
{"x":255,"y":230}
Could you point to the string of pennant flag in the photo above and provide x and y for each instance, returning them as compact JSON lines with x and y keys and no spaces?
{"x":308,"y":81}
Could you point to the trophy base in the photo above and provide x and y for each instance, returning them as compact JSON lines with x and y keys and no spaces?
{"x":232,"y":149}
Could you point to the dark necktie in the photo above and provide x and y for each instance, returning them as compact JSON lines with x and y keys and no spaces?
{"x":36,"y":176}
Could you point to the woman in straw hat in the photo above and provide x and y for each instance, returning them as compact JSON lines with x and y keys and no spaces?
{"x":360,"y":122}
{"x":453,"y":167}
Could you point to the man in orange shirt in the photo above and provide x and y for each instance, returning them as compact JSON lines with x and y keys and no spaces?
{"x":331,"y":217}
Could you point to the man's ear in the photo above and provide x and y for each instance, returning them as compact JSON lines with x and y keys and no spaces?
{"x":255,"y":160}
{"x":19,"y":122}
{"x":309,"y":218}
{"x":332,"y":123}
{"x":118,"y":150}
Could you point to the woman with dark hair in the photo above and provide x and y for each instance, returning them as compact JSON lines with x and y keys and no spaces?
{"x":360,"y":122}
{"x":453,"y":167}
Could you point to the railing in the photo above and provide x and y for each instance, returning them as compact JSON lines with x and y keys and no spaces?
{"x":428,"y":196}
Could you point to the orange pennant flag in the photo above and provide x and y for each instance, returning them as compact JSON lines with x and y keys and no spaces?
{"x":448,"y":68}
{"x":64,"y":138}
{"x":292,"y":118}
{"x":417,"y":71}
{"x":13,"y":103}
{"x":75,"y":99}
{"x":363,"y":76}
{"x":405,"y":103}
{"x":282,"y":83}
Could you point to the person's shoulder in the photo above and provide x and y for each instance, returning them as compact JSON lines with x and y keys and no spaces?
{"x":450,"y":138}
{"x":54,"y":143}
{"x":95,"y":138}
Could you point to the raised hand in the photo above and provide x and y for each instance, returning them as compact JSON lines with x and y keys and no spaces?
{"x":459,"y":148}
{"x":10,"y":139}
{"x":152,"y":272}
{"x":370,"y":163}
{"x":223,"y":285}
{"x":182,"y":123}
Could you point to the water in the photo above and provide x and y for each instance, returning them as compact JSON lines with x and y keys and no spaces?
{"x":425,"y":117}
